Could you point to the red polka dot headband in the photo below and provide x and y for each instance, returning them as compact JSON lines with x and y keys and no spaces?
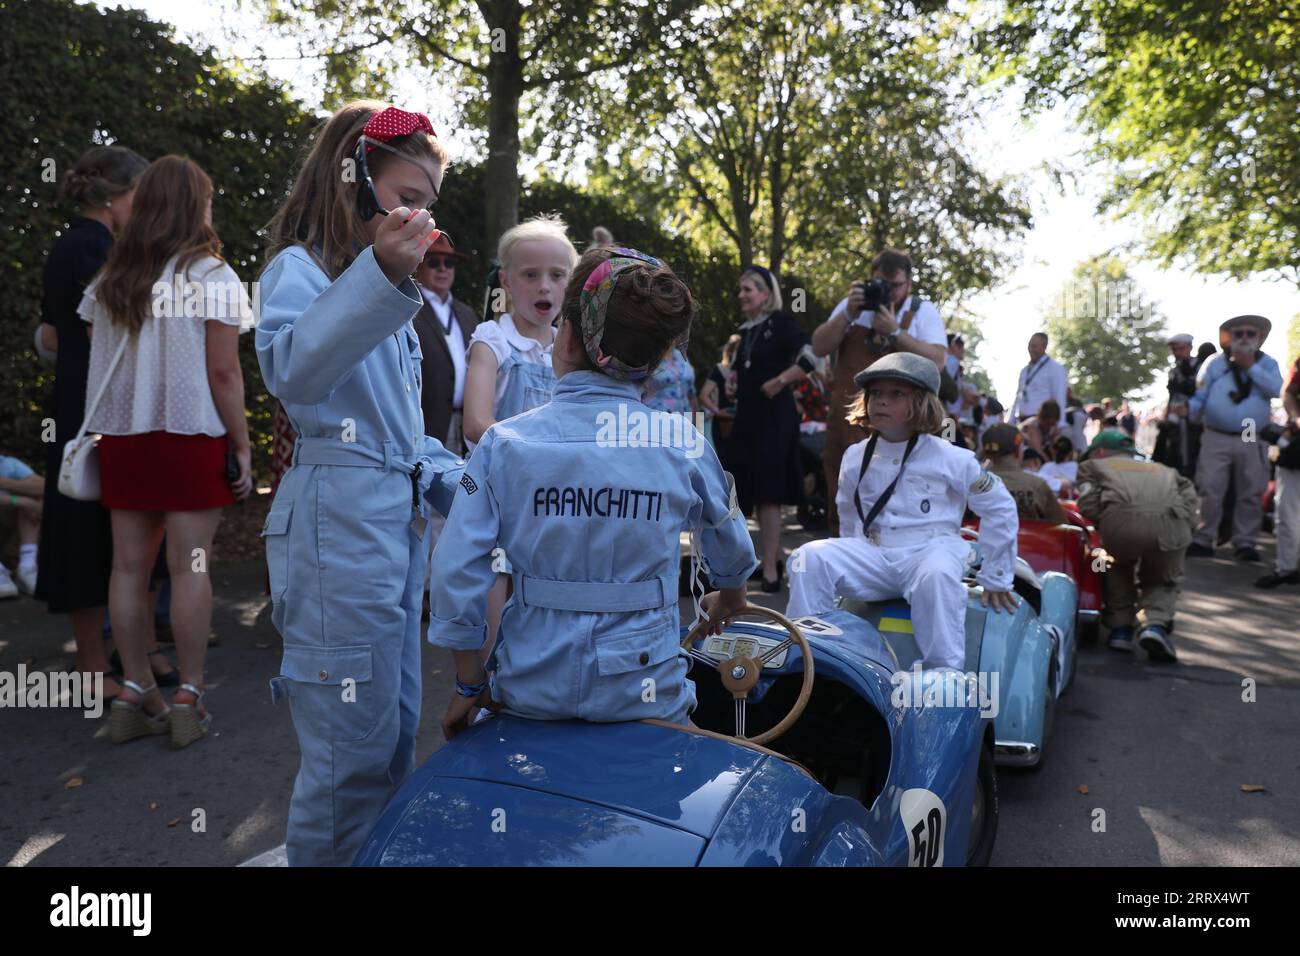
{"x":391,"y":123}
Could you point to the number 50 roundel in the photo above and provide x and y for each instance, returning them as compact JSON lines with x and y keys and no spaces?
{"x":925,"y":819}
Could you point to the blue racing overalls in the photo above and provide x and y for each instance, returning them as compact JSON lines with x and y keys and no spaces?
{"x":344,"y":538}
{"x":586,"y":506}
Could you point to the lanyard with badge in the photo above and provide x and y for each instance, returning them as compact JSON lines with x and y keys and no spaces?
{"x":867,"y":454}
{"x":1024,"y":389}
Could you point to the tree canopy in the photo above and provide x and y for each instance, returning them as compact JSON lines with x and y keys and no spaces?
{"x":492,"y":57}
{"x":808,"y":137}
{"x":79,"y":77}
{"x":1106,"y":331}
{"x":1193,"y":105}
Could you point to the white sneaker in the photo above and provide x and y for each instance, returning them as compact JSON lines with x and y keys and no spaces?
{"x":26,"y":580}
{"x":7,"y":587}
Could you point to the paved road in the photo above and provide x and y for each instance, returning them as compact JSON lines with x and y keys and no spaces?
{"x":1163,"y":751}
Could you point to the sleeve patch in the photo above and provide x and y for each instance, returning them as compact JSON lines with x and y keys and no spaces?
{"x":983,"y":483}
{"x":467,"y":483}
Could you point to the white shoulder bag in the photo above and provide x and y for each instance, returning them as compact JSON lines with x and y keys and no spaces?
{"x":79,"y":473}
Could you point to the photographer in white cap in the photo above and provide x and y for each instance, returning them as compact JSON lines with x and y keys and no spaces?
{"x":1179,"y":440}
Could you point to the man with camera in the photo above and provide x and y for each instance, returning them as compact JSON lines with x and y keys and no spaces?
{"x":878,"y":316}
{"x":1233,"y":392}
{"x":1178,"y":439}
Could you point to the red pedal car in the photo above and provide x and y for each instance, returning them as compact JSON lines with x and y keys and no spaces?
{"x":1073,"y":549}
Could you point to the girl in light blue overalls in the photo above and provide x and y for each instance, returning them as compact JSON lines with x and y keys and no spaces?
{"x":344,"y":538}
{"x":510,"y":358}
{"x":589,"y":521}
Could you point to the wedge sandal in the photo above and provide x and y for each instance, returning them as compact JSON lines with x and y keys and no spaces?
{"x":186,"y":724}
{"x":128,"y":720}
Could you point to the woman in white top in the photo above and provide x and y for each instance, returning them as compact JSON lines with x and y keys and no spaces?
{"x":166,"y":313}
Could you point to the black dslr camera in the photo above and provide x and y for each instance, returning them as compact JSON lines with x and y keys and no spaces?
{"x":875,"y":292}
{"x":1275,"y":434}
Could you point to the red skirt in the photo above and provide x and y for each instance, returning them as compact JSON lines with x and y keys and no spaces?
{"x":159,"y":471}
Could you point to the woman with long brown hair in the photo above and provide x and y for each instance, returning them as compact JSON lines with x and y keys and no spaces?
{"x":167,"y":394}
{"x":346,"y":535}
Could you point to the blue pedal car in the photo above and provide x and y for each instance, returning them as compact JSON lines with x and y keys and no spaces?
{"x":873,"y":765}
{"x":1027,"y":660}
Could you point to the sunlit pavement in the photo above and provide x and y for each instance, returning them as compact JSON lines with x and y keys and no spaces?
{"x":1162,"y":751}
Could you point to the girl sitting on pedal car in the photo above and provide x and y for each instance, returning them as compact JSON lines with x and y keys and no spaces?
{"x":902,"y":494}
{"x":585,"y":498}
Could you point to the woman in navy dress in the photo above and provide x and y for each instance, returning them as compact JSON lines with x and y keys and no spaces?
{"x":763,"y":451}
{"x":76,"y":549}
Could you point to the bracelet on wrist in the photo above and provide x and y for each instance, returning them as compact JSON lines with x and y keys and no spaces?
{"x":471,"y":690}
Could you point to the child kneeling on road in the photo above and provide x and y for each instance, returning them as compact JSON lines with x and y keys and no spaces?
{"x":900,"y":522}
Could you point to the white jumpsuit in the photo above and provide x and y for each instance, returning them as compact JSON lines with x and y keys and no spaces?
{"x":914,"y":548}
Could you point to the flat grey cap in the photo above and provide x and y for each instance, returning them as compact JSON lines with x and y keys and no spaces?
{"x":914,"y":369}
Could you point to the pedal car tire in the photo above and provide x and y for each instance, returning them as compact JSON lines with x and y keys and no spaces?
{"x":984,"y":827}
{"x":1087,"y":630}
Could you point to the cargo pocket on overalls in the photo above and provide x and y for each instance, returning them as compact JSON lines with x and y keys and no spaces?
{"x":275,"y":534}
{"x":638,"y":675}
{"x":624,"y":653}
{"x":331,"y":689}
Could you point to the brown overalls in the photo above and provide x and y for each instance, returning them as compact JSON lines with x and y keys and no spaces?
{"x":854,"y":354}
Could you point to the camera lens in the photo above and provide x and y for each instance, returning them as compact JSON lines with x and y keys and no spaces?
{"x":875,"y":294}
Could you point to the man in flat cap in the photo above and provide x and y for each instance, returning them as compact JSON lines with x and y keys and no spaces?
{"x":1179,"y":440}
{"x":1234,"y":389}
{"x":1145,"y":513}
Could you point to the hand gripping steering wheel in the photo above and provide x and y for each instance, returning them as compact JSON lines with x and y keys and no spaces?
{"x":739,"y":674}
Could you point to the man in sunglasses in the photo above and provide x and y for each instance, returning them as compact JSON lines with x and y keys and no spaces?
{"x":444,"y":325}
{"x":1234,"y":390}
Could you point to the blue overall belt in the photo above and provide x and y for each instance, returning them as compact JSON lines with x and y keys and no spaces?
{"x":334,"y":451}
{"x":596,"y":596}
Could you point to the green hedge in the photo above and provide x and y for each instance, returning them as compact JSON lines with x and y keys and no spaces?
{"x":73,"y":76}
